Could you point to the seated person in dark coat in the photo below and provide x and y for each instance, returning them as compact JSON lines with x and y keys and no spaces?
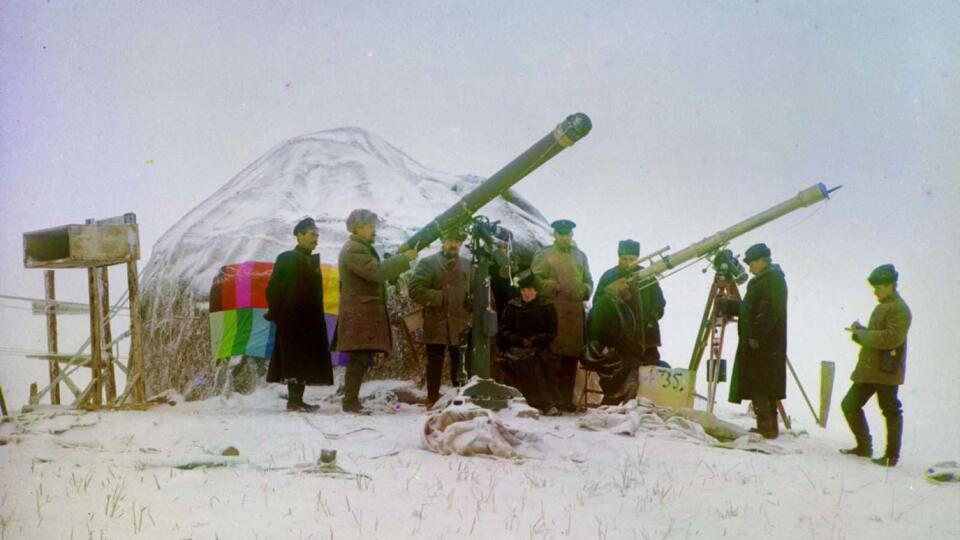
{"x":301,"y":353}
{"x":527,"y":328}
{"x":615,"y":347}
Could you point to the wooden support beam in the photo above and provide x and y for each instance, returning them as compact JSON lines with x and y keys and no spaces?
{"x":3,"y":403}
{"x":107,"y":336}
{"x":84,"y":397}
{"x":135,"y":364}
{"x":51,"y":295}
{"x":96,"y":317}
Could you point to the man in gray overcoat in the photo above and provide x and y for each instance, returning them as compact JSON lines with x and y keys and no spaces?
{"x":440,"y":284}
{"x":563,"y":279}
{"x":363,"y":325}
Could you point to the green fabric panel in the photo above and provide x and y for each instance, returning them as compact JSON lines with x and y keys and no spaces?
{"x":244,"y":327}
{"x":216,"y":333}
{"x":229,"y":333}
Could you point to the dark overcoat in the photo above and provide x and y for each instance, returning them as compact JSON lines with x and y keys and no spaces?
{"x":647,"y":303}
{"x":563,"y":278}
{"x":440,"y":285}
{"x":301,"y":352}
{"x":761,"y":372}
{"x":612,"y":324}
{"x":362,"y":322}
{"x":534,"y":321}
{"x":883,"y":351}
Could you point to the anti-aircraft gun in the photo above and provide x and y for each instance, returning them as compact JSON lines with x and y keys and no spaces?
{"x":485,"y":239}
{"x":728,"y":273}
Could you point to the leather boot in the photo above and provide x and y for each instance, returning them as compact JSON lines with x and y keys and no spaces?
{"x":295,"y":399}
{"x":353,"y":377}
{"x":894,"y":433}
{"x":766,"y":418}
{"x":861,"y":432}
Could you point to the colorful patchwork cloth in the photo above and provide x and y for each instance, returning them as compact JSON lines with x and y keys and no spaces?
{"x":238,"y":301}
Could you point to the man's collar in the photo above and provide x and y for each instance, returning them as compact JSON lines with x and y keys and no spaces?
{"x":362,"y":240}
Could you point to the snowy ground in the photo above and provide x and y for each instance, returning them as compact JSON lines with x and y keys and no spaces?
{"x":69,"y":474}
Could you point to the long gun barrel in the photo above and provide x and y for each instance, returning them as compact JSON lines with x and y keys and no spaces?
{"x":807,"y":197}
{"x":574,"y":128}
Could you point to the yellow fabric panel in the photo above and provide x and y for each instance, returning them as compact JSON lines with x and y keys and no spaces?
{"x":331,"y":289}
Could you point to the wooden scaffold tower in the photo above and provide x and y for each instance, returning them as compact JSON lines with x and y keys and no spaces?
{"x":95,"y":245}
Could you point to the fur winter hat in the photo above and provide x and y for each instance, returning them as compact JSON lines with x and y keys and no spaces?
{"x":361,"y":216}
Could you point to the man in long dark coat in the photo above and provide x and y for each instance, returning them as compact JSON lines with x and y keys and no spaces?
{"x":880,"y":367}
{"x":440,"y":283}
{"x":645,"y":300}
{"x":759,"y":370}
{"x":563,"y":279}
{"x":363,"y":325}
{"x":527,"y":328}
{"x":301,"y":353}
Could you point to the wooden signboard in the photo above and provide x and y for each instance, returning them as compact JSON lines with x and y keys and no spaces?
{"x":667,"y":387}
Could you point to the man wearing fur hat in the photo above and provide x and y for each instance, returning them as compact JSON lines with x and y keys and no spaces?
{"x":644,"y":298}
{"x":759,"y":369}
{"x":440,"y":284}
{"x":363,"y":325}
{"x":301,"y":354}
{"x":880,"y":367}
{"x":563,"y":278}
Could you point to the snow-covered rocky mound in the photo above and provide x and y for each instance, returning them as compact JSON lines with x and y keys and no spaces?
{"x":324,"y":175}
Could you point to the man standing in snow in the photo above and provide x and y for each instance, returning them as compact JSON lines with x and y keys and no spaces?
{"x":645,"y":299}
{"x":301,"y":354}
{"x":563,"y":278}
{"x":759,"y":369}
{"x":440,"y":284}
{"x":363,"y":325}
{"x":880,"y":367}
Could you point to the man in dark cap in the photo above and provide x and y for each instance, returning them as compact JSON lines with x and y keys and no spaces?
{"x":363,"y":325}
{"x":562,"y":277}
{"x":880,"y":367}
{"x":440,"y":284}
{"x":527,"y":328}
{"x":301,"y":354}
{"x":644,"y":298}
{"x":759,"y":369}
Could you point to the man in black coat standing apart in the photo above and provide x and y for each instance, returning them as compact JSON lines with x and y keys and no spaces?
{"x":760,"y":367}
{"x":301,"y":352}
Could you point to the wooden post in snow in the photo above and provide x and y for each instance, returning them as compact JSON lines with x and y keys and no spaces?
{"x":135,"y":370}
{"x":51,"y":308}
{"x":107,"y":335}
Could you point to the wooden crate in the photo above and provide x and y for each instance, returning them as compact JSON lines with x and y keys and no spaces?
{"x":82,"y":246}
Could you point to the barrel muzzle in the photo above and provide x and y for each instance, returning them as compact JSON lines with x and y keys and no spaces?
{"x":575,"y":127}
